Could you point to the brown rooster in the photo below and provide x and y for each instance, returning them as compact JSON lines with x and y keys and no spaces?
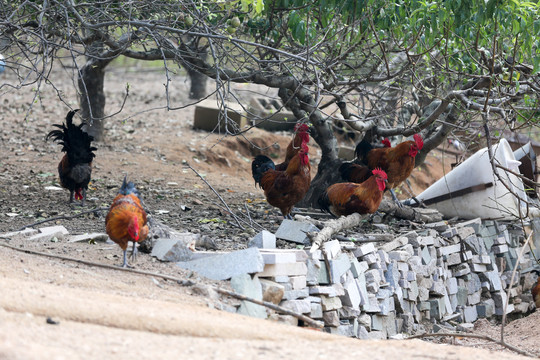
{"x":283,"y":189}
{"x":75,"y":168}
{"x":126,"y":220}
{"x":347,"y":198}
{"x":397,"y":162}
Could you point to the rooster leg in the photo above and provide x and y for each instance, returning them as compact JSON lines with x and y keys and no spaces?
{"x":398,"y":203}
{"x":134,"y":252}
{"x":125,"y":264}
{"x":288,"y":216}
{"x":83,"y":196}
{"x":71,"y":193}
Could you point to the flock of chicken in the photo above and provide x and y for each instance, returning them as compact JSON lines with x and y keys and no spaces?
{"x":365,"y":180}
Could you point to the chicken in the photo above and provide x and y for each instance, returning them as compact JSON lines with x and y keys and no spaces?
{"x":301,"y":135}
{"x":126,"y":220}
{"x":283,"y":189}
{"x":397,"y":162}
{"x":347,"y":198}
{"x":75,"y":168}
{"x":386,"y":142}
{"x":536,"y":293}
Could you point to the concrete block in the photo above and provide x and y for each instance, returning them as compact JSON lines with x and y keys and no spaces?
{"x":272,"y":291}
{"x":470,"y":314}
{"x":277,"y":257}
{"x":289,"y":269}
{"x":450,"y":249}
{"x":296,"y":294}
{"x":474,"y":298}
{"x":332,"y":249}
{"x":339,"y":266}
{"x":208,"y":116}
{"x":295,"y":231}
{"x":486,"y":309}
{"x":461,"y":270}
{"x":331,"y":318}
{"x":316,"y":311}
{"x":394,"y":244}
{"x":347,"y":312}
{"x":452,"y":286}
{"x":364,"y":250}
{"x":263,"y":240}
{"x":298,"y":282}
{"x":269,"y":114}
{"x":49,"y":232}
{"x":437,"y":308}
{"x":352,"y":296}
{"x":302,"y":306}
{"x":95,"y":236}
{"x":225,"y":266}
{"x":397,"y":255}
{"x":245,"y":285}
{"x":20,"y":234}
{"x":330,"y":303}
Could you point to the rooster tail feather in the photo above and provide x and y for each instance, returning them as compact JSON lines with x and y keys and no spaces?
{"x":75,"y":142}
{"x":128,"y":188}
{"x":362,"y":149}
{"x":259,"y":166}
{"x":345,"y":170}
{"x":324,"y":202}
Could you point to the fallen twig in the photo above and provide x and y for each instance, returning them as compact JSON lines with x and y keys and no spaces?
{"x":217,"y":194}
{"x":476,"y":336}
{"x":306,"y":319}
{"x":333,"y":226}
{"x":63,"y":217}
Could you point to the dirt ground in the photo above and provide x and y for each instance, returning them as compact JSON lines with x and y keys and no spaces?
{"x":52,"y":308}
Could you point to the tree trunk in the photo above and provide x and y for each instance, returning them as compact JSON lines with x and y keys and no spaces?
{"x":301,"y":104}
{"x":198,"y":84}
{"x":92,"y":98}
{"x":92,"y":94}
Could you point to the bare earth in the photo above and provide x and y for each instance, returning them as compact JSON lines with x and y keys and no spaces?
{"x":106,"y":313}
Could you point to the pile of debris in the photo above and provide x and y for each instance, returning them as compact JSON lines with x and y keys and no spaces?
{"x":445,"y":274}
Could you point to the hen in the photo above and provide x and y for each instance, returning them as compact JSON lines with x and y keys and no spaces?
{"x":283,"y":189}
{"x":126,"y":220}
{"x":75,"y":168}
{"x":347,"y":198}
{"x":397,"y":162}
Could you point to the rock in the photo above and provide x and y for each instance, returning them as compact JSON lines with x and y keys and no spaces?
{"x":263,"y":240}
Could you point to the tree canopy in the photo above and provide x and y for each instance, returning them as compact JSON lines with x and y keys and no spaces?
{"x":392,"y":68}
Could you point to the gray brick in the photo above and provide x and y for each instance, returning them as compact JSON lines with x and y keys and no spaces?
{"x":222,"y":267}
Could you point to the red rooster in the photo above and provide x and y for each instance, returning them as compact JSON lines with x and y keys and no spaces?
{"x":348,"y":198}
{"x":126,"y":220}
{"x":301,"y":136}
{"x":75,"y":168}
{"x":283,"y":189}
{"x":397,"y":162}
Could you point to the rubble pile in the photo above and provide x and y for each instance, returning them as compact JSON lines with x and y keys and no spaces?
{"x":445,"y":274}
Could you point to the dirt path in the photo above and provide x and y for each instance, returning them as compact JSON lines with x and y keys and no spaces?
{"x":115,"y":315}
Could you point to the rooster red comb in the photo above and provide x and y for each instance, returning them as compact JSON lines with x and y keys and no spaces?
{"x":380,"y":173}
{"x":418,"y":140}
{"x":301,"y":127}
{"x":386,"y":142}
